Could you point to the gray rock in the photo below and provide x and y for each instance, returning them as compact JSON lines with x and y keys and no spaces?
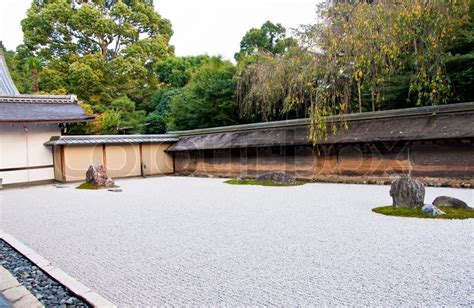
{"x":109,"y":183}
{"x":407,"y":192}
{"x":49,"y":292}
{"x":115,"y":190}
{"x":277,"y":177}
{"x":451,"y":202}
{"x":97,"y":174}
{"x":431,"y":210}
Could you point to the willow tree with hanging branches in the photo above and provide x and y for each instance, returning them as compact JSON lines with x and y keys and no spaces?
{"x":344,"y":62}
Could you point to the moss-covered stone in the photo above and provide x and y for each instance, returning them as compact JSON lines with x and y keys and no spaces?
{"x":262,"y":183}
{"x":450,"y":213}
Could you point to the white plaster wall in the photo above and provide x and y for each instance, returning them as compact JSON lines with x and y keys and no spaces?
{"x":12,"y":147}
{"x":19,"y":149}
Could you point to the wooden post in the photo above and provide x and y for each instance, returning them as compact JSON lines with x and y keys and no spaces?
{"x":63,"y":167}
{"x":410,"y":166}
{"x":142,"y":167}
{"x":104,"y":156}
{"x":174,"y":165}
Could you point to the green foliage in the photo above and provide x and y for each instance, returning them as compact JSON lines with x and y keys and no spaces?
{"x":82,"y":78}
{"x":460,"y":70}
{"x":360,"y":56}
{"x":109,"y":122}
{"x":207,"y":100}
{"x":123,"y":117}
{"x":451,"y":213}
{"x":98,"y":50}
{"x":364,"y":55}
{"x":460,"y":66}
{"x":156,"y":123}
{"x":176,"y":72}
{"x":272,"y":88}
{"x":120,"y":117}
{"x":262,"y":183}
{"x":19,"y":72}
{"x":269,"y":38}
{"x":158,"y":118}
{"x":59,"y":27}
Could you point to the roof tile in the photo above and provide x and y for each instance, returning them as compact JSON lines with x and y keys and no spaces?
{"x":112,"y":139}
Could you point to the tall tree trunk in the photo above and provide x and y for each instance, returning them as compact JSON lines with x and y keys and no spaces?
{"x":104,"y":47}
{"x":360,"y":96}
{"x":373,"y":98}
{"x":35,"y":79}
{"x":347,"y":95}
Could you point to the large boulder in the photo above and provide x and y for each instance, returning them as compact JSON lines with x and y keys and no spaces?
{"x":97,"y":174}
{"x":277,"y":177}
{"x":430,"y":209}
{"x":407,"y":192}
{"x":450,"y":202}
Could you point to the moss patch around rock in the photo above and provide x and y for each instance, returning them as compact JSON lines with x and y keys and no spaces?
{"x":451,"y":213}
{"x":89,"y":186}
{"x":262,"y":183}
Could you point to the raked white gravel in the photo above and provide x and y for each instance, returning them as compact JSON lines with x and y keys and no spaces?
{"x":194,"y":241}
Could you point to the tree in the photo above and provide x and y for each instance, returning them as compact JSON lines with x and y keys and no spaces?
{"x":57,"y":28}
{"x":262,"y":72}
{"x":176,"y":72}
{"x":270,"y":38}
{"x":34,"y":65}
{"x":157,"y":119}
{"x":131,"y":120}
{"x":99,"y":50}
{"x":359,"y":54}
{"x":207,"y":100}
{"x":270,"y":88}
{"x":109,"y":123}
{"x":121,"y":118}
{"x":18,"y":71}
{"x":460,"y":64}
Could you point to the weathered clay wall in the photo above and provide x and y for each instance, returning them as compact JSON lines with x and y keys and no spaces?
{"x":439,"y":162}
{"x":443,"y":159}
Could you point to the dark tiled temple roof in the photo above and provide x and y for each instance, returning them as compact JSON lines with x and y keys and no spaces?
{"x":40,"y":112}
{"x":7,"y":87}
{"x":111,"y":139}
{"x":426,"y":123}
{"x":38,"y":99}
{"x":20,"y":108}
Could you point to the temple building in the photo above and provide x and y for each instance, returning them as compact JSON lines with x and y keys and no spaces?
{"x":34,"y":150}
{"x":26,"y":123}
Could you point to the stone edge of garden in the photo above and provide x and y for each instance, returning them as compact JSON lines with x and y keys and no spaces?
{"x":14,"y":292}
{"x":57,"y":274}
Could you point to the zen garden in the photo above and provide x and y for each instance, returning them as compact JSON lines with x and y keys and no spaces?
{"x":323,"y":163}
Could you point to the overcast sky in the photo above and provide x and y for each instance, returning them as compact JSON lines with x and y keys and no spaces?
{"x":214,"y":27}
